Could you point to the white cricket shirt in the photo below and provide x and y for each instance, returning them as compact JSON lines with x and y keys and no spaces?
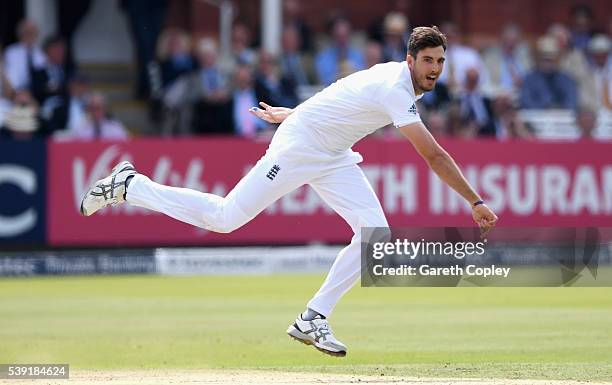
{"x":336,"y":118}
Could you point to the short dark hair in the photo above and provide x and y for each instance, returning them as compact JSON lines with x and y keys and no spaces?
{"x":425,"y":37}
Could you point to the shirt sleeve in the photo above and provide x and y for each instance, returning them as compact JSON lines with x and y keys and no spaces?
{"x":400,"y":106}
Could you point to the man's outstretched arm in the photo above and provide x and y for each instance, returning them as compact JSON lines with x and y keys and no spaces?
{"x":445,"y":167}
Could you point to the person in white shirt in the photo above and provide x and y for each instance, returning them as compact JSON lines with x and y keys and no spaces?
{"x":24,"y":56}
{"x":599,"y":50}
{"x":98,"y":124}
{"x":459,"y":59}
{"x":313,"y":146}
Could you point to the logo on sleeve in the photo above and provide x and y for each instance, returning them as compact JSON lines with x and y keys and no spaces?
{"x":413,"y":109}
{"x":273,"y":171}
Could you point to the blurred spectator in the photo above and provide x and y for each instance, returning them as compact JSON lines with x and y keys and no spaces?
{"x":340,"y":56}
{"x":146,"y":19}
{"x":292,"y":62}
{"x":242,"y":53}
{"x":21,"y":58}
{"x":376,"y":30}
{"x":437,"y":99}
{"x":21,"y":120}
{"x":6,"y":93}
{"x":609,"y":33}
{"x":69,"y":112}
{"x":586,"y":121}
{"x":459,"y":59}
{"x":245,"y":97}
{"x":436,"y":124}
{"x":51,"y":79}
{"x":293,"y":19}
{"x":476,"y":109}
{"x":582,"y":26}
{"x":547,"y":86}
{"x":70,"y":13}
{"x":508,"y":62}
{"x":374,"y":53}
{"x":272,"y":87}
{"x":456,"y":124}
{"x":98,"y":123}
{"x":573,"y":62}
{"x":507,"y":123}
{"x":198,"y":101}
{"x":601,"y":69}
{"x":395,"y":38}
{"x":174,"y":55}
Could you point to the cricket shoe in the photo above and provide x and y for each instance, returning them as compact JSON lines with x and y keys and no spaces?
{"x":107,"y":191}
{"x":317,"y":333}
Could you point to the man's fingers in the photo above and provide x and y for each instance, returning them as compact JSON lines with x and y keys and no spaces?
{"x":486,"y":225}
{"x":484,"y":231}
{"x":264,"y":105}
{"x":261,"y":114}
{"x":257,"y":112}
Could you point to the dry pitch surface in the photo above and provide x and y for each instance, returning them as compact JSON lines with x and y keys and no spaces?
{"x":156,"y":377}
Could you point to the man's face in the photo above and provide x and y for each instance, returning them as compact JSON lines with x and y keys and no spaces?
{"x":426,"y":68}
{"x":56,"y":53}
{"x":28,"y":33}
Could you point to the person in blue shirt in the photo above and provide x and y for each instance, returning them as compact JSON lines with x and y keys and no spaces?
{"x":547,"y":87}
{"x":340,"y":57}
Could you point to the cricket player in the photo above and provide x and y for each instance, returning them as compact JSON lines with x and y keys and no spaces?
{"x":312,"y":146}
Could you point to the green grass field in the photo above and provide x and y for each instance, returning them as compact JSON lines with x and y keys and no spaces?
{"x":142,"y":322}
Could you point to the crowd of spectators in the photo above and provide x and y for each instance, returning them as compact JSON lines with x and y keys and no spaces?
{"x":198,"y":90}
{"x":42,"y":93}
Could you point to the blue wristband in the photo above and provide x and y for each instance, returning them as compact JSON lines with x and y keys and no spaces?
{"x":477,"y":203}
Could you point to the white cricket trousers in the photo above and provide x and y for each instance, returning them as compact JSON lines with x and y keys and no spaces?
{"x":337,"y":180}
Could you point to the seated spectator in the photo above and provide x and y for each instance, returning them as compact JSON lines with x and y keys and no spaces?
{"x":547,"y":86}
{"x":373,"y":54}
{"x":508,"y":124}
{"x":292,"y":62}
{"x":242,"y":51}
{"x":175,"y":56}
{"x":340,"y":56}
{"x":51,"y":80}
{"x":476,"y":109}
{"x":436,"y":124}
{"x":508,"y":62}
{"x":395,"y":37}
{"x":376,"y":30}
{"x":69,"y":111}
{"x":586,"y":121}
{"x":292,"y":16}
{"x":21,"y":120}
{"x":459,"y":59}
{"x":455,"y":123}
{"x":438,"y":99}
{"x":582,"y":26}
{"x":98,"y":124}
{"x":198,"y":101}
{"x":271,"y":86}
{"x":24,"y":56}
{"x":244,"y":97}
{"x":599,"y":50}
{"x":573,"y":62}
{"x":6,"y":93}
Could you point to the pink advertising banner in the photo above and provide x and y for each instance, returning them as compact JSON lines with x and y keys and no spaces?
{"x":527,"y":183}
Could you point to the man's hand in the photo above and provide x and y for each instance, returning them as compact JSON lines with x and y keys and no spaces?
{"x":271,"y":114}
{"x":485,"y":218}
